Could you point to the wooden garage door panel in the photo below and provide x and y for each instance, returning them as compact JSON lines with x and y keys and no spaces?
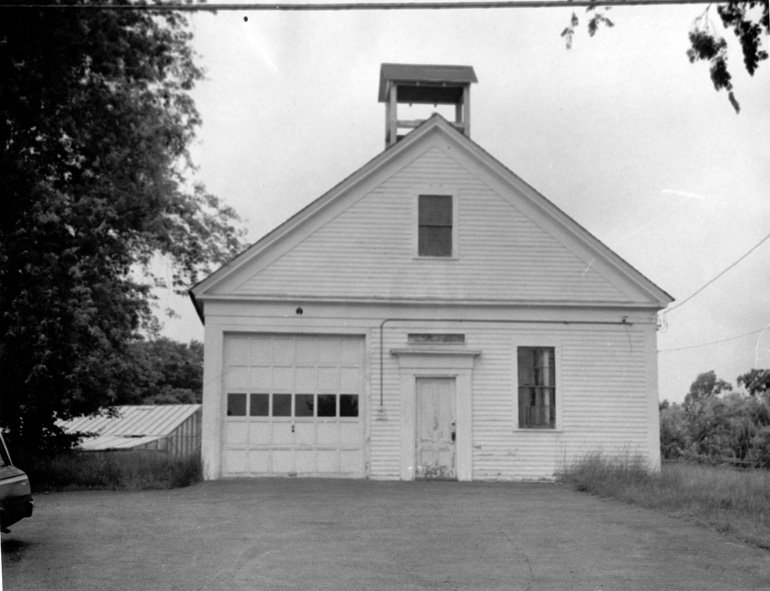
{"x":283,"y":379}
{"x":328,"y":461}
{"x":307,"y":379}
{"x":282,"y":438}
{"x":305,"y":461}
{"x":261,"y":352}
{"x":349,"y":436}
{"x":281,"y":433}
{"x":305,"y":434}
{"x":261,"y":379}
{"x":282,"y":461}
{"x":237,"y":433}
{"x":261,"y":434}
{"x":259,"y":461}
{"x":328,"y":434}
{"x":284,"y":349}
{"x":237,"y":378}
{"x":235,"y":461}
{"x":350,"y":462}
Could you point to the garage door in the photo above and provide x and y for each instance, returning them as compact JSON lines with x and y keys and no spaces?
{"x":294,"y":405}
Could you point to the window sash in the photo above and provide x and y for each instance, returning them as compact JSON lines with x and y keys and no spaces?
{"x":435,"y":242}
{"x":537,"y":387}
{"x":537,"y":407}
{"x":435,"y":210}
{"x":435,"y":225}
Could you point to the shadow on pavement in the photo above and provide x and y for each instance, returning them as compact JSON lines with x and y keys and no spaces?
{"x":13,"y":549}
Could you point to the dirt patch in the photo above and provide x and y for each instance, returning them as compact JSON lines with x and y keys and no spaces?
{"x":337,"y":535}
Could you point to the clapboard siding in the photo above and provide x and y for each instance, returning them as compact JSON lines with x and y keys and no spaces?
{"x":384,"y":420}
{"x":602,"y":393}
{"x":368,"y":250}
{"x":522,"y":274}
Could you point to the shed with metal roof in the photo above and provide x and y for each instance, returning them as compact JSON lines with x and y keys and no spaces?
{"x":170,"y":428}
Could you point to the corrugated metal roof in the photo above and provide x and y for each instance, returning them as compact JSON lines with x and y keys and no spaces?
{"x":424,"y":73}
{"x":133,"y":421}
{"x":108,"y":442}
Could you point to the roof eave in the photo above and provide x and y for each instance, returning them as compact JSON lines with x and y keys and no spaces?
{"x":657,"y":295}
{"x":276,"y":233}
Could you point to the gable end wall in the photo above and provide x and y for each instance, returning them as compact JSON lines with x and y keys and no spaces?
{"x":369,"y":250}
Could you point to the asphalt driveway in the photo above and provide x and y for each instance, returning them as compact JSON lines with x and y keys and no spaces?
{"x":359,"y":535}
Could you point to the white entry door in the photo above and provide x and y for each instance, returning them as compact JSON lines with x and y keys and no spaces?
{"x":436,"y":429}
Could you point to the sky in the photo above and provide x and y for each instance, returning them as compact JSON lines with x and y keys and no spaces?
{"x":621,"y":132}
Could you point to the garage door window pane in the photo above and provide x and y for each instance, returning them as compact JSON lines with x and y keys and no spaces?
{"x":259,"y":405}
{"x":281,"y":405}
{"x":303,"y":405}
{"x":348,"y":405}
{"x":236,"y":405}
{"x":327,"y":405}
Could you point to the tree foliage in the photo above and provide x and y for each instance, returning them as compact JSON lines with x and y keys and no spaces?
{"x":716,"y":424}
{"x":163,"y":371}
{"x":596,"y":18}
{"x":95,"y":124}
{"x":705,"y":386}
{"x":756,"y":382}
{"x":748,"y":20}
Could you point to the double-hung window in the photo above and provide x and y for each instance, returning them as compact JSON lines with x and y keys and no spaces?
{"x":537,"y":387}
{"x":435,"y":226}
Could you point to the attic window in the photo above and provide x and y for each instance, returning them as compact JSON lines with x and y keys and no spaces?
{"x":435,"y":226}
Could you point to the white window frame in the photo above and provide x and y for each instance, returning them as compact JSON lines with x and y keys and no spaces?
{"x":448,"y":191}
{"x":537,"y":342}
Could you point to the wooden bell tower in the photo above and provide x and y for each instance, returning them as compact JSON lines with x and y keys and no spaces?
{"x":429,"y":85}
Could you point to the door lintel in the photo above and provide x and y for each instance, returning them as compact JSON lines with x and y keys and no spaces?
{"x":435,"y":358}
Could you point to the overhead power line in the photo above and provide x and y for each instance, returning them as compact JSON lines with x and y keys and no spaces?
{"x":279,"y":6}
{"x":687,"y":299}
{"x":720,"y":341}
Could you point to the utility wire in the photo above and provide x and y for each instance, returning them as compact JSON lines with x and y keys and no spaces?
{"x":687,"y":299}
{"x":280,"y":6}
{"x":748,"y":334}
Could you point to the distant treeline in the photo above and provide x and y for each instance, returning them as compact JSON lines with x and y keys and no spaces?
{"x":718,"y":425}
{"x":162,"y":371}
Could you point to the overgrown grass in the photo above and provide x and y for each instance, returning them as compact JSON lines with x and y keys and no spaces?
{"x":735,"y":502}
{"x":110,"y":471}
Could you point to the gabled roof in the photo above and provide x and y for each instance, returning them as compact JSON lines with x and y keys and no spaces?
{"x":493,"y":171}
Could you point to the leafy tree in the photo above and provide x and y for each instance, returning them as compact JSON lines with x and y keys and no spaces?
{"x":708,"y":429}
{"x":705,"y":386}
{"x":756,"y":382}
{"x":164,"y":371}
{"x":706,"y":421}
{"x":718,"y":425}
{"x":748,"y":20}
{"x":673,"y":431}
{"x":95,"y":124}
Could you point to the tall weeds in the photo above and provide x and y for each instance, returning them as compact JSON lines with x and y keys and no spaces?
{"x":735,"y":502}
{"x":110,"y":471}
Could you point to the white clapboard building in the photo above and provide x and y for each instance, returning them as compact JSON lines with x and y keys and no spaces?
{"x":432,"y":316}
